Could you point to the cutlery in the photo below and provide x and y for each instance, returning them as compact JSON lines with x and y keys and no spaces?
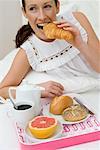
{"x":78,"y":101}
{"x":16,"y":107}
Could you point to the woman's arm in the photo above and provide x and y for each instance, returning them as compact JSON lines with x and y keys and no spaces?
{"x":20,"y":67}
{"x":17,"y":72}
{"x":91,"y":50}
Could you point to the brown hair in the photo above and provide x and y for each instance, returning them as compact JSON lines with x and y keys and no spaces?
{"x":25,"y":31}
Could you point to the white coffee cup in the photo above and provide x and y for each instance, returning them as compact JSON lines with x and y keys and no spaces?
{"x":23,"y":116}
{"x":28,"y":92}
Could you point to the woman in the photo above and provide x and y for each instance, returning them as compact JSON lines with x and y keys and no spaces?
{"x":55,"y":57}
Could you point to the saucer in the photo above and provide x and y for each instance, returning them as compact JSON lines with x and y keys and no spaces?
{"x":33,"y":139}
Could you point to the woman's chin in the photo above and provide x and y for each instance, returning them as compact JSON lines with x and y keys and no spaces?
{"x":48,"y":40}
{"x":44,"y":38}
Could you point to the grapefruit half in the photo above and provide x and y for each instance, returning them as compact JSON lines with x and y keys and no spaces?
{"x":43,"y":127}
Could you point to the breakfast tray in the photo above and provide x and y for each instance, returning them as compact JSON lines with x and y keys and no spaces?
{"x":72,"y":134}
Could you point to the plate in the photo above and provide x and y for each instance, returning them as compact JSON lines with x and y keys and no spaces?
{"x":59,"y":117}
{"x":57,"y":134}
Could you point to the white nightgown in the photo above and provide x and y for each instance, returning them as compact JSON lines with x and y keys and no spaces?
{"x":60,"y":59}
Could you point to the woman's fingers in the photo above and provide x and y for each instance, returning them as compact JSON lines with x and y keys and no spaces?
{"x":52,"y":89}
{"x":56,"y":91}
{"x":62,"y":22}
{"x":73,"y":30}
{"x":65,"y":25}
{"x":47,"y":94}
{"x":58,"y":85}
{"x":59,"y":22}
{"x":68,"y":27}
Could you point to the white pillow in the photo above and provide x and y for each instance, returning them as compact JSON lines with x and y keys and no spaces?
{"x":6,"y":62}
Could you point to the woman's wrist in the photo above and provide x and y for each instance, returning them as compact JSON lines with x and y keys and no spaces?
{"x":90,"y":55}
{"x":79,"y":43}
{"x":81,"y":46}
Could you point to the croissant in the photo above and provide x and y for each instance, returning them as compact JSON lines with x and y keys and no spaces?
{"x":53,"y":32}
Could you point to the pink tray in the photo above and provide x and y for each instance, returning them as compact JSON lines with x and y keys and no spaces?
{"x":75,"y":134}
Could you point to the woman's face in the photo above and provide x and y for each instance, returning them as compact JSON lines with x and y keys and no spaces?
{"x":40,"y":12}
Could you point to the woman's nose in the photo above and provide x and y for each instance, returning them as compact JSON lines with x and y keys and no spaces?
{"x":41,"y":15}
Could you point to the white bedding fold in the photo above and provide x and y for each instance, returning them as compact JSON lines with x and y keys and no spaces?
{"x":76,"y":84}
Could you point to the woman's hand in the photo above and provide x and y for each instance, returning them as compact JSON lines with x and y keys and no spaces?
{"x":52,"y":89}
{"x":73,"y":29}
{"x":90,"y":50}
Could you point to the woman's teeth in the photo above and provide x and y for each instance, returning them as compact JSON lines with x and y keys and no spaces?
{"x":40,"y":26}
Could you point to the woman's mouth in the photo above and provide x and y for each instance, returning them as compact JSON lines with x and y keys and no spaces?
{"x":40,"y":26}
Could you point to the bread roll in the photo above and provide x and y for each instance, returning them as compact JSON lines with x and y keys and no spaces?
{"x":75,"y":113}
{"x":53,"y":32}
{"x":58,"y":104}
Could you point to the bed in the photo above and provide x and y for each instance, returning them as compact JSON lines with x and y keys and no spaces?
{"x":85,"y":84}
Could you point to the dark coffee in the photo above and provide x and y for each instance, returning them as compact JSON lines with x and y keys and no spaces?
{"x":23,"y":107}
